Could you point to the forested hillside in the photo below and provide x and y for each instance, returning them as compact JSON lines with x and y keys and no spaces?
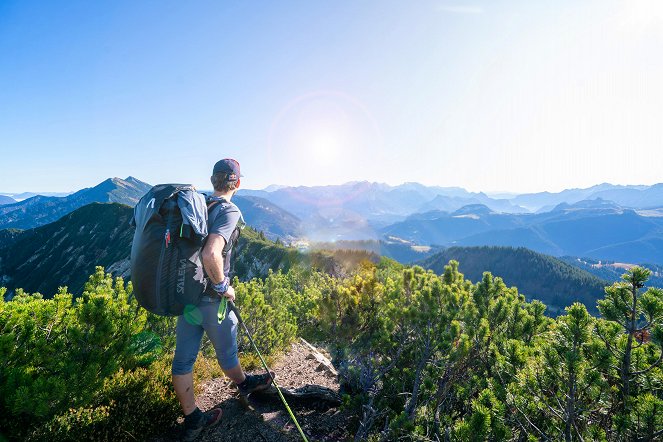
{"x":537,"y":276}
{"x":611,"y":271}
{"x":401,"y":251}
{"x":269,"y":218}
{"x":65,"y":252}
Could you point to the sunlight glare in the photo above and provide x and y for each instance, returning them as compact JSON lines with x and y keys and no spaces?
{"x":325,"y":147}
{"x":327,"y":135}
{"x":641,"y":15}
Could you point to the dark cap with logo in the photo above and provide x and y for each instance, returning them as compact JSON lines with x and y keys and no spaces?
{"x":228,"y":166}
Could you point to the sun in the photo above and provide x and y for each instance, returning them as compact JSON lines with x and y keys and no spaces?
{"x":326,"y":134}
{"x":324,"y":147}
{"x":321,"y":140}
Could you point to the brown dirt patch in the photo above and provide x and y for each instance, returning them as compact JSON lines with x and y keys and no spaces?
{"x":266,"y":420}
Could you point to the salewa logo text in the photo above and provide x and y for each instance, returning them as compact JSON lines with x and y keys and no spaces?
{"x":181,"y":274}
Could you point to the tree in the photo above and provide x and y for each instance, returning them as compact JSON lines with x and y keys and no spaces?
{"x":632,"y":333}
{"x":560,"y":383}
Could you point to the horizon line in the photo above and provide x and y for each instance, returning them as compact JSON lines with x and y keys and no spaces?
{"x":512,"y":193}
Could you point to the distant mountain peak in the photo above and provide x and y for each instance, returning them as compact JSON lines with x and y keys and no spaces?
{"x":595,"y":204}
{"x":133,"y":180}
{"x":473,"y":209}
{"x":107,"y":185}
{"x":120,"y":182}
{"x":4,"y":199}
{"x":561,"y":207}
{"x":274,"y":187}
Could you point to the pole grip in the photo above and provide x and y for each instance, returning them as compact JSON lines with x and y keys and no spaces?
{"x":233,"y":308}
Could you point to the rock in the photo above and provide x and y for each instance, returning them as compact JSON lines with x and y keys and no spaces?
{"x":323,"y":362}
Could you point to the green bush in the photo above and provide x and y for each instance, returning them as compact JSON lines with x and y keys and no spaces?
{"x":130,"y":406}
{"x":271,"y":325}
{"x":64,"y":354}
{"x":421,"y":357}
{"x":98,"y":366}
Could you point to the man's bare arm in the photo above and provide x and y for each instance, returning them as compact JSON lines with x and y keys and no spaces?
{"x":213,"y":257}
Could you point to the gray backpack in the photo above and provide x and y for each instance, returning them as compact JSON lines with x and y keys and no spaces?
{"x":166,"y":266}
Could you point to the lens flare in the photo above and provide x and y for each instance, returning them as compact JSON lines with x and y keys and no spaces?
{"x":326,"y":132}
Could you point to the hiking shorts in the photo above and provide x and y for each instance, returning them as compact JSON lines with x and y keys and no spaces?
{"x":189,"y":332}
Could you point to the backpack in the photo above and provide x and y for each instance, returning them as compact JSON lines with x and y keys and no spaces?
{"x":166,"y":265}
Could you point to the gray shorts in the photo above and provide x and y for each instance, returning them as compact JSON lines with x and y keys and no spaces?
{"x":190,"y":327}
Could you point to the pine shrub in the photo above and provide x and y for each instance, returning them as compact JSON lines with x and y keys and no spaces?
{"x":76,"y":361}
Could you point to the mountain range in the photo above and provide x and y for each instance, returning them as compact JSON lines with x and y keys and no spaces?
{"x":627,"y":196}
{"x":65,"y":252}
{"x":603,"y":222}
{"x":402,"y":221}
{"x":590,"y":228}
{"x":385,"y":203}
{"x":25,"y":195}
{"x":356,"y":210}
{"x":39,"y":210}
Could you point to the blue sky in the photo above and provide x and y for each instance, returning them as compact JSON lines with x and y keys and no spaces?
{"x":499,"y":95}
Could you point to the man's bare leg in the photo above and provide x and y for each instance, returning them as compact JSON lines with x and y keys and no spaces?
{"x":194,"y":419}
{"x":253,"y":383}
{"x":184,"y":387}
{"x":184,"y":390}
{"x":236,"y":374}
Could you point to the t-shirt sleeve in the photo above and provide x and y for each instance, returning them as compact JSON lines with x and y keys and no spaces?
{"x":225,"y":221}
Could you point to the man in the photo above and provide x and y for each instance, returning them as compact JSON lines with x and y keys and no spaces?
{"x":223,"y":217}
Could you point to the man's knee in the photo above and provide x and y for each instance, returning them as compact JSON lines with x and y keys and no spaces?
{"x":227,"y":357}
{"x":183,"y":364}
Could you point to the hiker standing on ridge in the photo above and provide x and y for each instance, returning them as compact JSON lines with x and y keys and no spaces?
{"x":223,"y":217}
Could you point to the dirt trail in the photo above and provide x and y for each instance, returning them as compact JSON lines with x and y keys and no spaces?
{"x":266,"y":420}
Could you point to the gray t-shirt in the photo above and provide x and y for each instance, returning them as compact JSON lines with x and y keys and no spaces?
{"x":222,"y":219}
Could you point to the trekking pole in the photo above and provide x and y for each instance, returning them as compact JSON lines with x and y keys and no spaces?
{"x":231,"y":306}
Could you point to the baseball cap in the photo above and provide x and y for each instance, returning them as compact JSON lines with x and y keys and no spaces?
{"x":229,"y":166}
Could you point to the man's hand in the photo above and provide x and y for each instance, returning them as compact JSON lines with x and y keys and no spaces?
{"x":230,"y":293}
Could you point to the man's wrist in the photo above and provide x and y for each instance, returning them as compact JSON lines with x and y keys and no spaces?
{"x":222,"y":286}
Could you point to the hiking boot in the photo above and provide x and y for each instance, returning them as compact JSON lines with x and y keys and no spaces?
{"x":255,"y":382}
{"x":207,"y":419}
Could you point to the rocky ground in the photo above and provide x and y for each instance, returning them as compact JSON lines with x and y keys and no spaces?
{"x":264,"y":418}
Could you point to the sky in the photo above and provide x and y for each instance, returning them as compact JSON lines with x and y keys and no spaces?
{"x":518,"y":96}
